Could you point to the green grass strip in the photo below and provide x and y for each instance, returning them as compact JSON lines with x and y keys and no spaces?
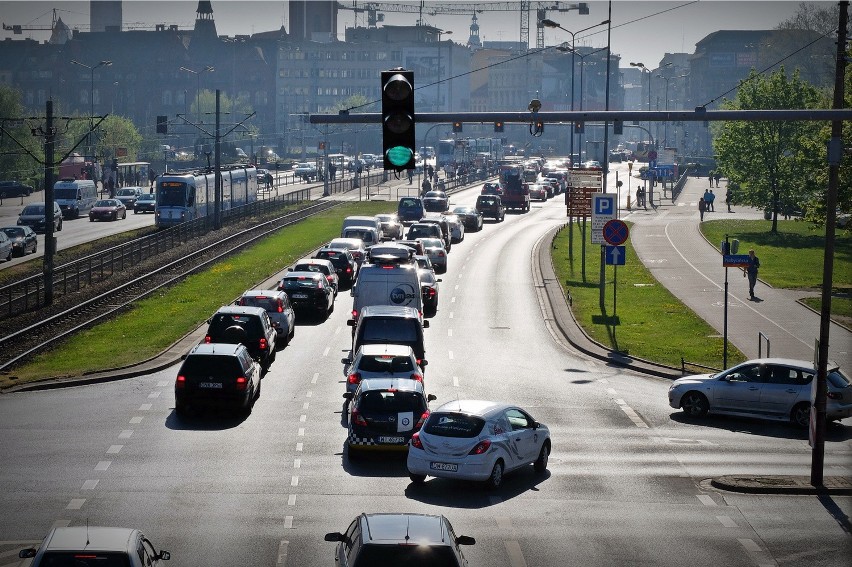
{"x":650,"y":322}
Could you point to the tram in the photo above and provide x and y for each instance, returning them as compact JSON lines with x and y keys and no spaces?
{"x":183,"y":196}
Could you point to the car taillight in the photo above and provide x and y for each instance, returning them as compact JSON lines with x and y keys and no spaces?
{"x":348,"y":270}
{"x":417,"y":377}
{"x":354,"y":378}
{"x":358,"y":419}
{"x":280,"y":306}
{"x":180,"y":382}
{"x":354,"y":315}
{"x":329,"y":278}
{"x":242,"y":383}
{"x":432,"y":292}
{"x":480,"y":448}
{"x":834,"y":395}
{"x":422,"y":420}
{"x":415,"y":441}
{"x":263,"y":344}
{"x":207,"y":339}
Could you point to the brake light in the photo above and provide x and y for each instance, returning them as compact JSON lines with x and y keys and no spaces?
{"x":415,"y":441}
{"x":422,"y":420}
{"x":242,"y":383}
{"x":834,"y":395}
{"x":432,"y":292}
{"x":358,"y":419}
{"x":417,"y":377}
{"x":180,"y":383}
{"x":348,"y":270}
{"x":387,"y":267}
{"x":354,"y":315}
{"x":480,"y":448}
{"x":261,"y":297}
{"x":207,"y":339}
{"x":280,"y":306}
{"x":329,"y":278}
{"x":440,"y":253}
{"x":263,"y":344}
{"x":354,"y":378}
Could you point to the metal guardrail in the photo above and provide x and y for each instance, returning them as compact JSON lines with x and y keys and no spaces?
{"x":760,"y":338}
{"x":685,"y":363}
{"x":28,"y":293}
{"x":678,"y":187}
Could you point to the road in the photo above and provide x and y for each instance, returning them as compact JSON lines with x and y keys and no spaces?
{"x":625,"y":485}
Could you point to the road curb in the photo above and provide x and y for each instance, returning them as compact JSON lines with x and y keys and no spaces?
{"x":783,"y":484}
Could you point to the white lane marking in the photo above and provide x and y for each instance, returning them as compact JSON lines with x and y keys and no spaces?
{"x":451,"y":314}
{"x":61,"y":524}
{"x":281,"y":560}
{"x":449,"y":332}
{"x":337,"y":330}
{"x":603,"y":381}
{"x":705,"y":499}
{"x":297,"y":463}
{"x":634,"y":417}
{"x":90,"y":484}
{"x":611,"y":391}
{"x":162,"y":384}
{"x":102,"y":465}
{"x":749,"y":544}
{"x":299,"y":446}
{"x":153,"y":395}
{"x":620,"y":402}
{"x":326,"y":351}
{"x":145,"y":407}
{"x":453,"y":299}
{"x":294,"y":481}
{"x":516,"y":557}
{"x":727,"y":521}
{"x":75,"y":504}
{"x":125,"y":434}
{"x":314,"y":379}
{"x":306,"y":405}
{"x":114,"y":449}
{"x":291,"y":500}
{"x":303,"y":418}
{"x":455,"y":381}
{"x":309,"y":394}
{"x":460,"y":276}
{"x":301,"y":432}
{"x":451,"y":355}
{"x":457,"y":286}
{"x":136,"y":420}
{"x":288,"y":522}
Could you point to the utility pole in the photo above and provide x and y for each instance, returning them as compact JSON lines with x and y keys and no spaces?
{"x":49,"y":240}
{"x":217,"y":208}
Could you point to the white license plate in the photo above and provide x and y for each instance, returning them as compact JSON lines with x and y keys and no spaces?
{"x":391,"y":439}
{"x":212,"y":385}
{"x":452,"y":467}
{"x":300,"y":296}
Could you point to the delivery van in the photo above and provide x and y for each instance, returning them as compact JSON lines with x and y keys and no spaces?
{"x":387,"y":282}
{"x":372,"y":222}
{"x":75,"y":197}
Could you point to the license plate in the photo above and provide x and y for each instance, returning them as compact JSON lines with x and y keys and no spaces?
{"x":300,"y":296}
{"x":452,"y":467}
{"x":391,"y":439}
{"x":212,"y":385}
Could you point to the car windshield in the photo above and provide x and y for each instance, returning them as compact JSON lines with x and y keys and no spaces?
{"x":126,"y":192}
{"x":104,"y":203}
{"x":391,"y":401}
{"x":146,"y":197}
{"x":86,"y":559}
{"x":13,"y":232}
{"x":385,"y":363}
{"x":33,"y":210}
{"x":65,"y":193}
{"x":454,"y":425}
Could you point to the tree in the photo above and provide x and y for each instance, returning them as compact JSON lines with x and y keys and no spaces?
{"x":17,"y":163}
{"x":767,"y":159}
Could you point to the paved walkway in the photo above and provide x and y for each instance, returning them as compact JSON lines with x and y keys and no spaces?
{"x":668,"y":241}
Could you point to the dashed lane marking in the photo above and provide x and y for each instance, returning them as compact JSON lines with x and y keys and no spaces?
{"x":315,"y":378}
{"x":611,"y":391}
{"x":102,"y":465}
{"x":299,"y":446}
{"x":153,"y":395}
{"x":516,"y":557}
{"x":451,"y":314}
{"x":727,"y":521}
{"x":455,"y":381}
{"x":309,"y":394}
{"x":297,"y":463}
{"x":281,"y":560}
{"x":136,"y":420}
{"x":453,"y":299}
{"x":449,"y":332}
{"x":125,"y":434}
{"x":451,"y":355}
{"x":303,"y":418}
{"x":301,"y":432}
{"x":705,"y":499}
{"x":89,"y":484}
{"x":306,"y":405}
{"x":145,"y":407}
{"x":291,"y":500}
{"x":162,"y":384}
{"x":326,"y":351}
{"x":75,"y":504}
{"x":294,"y":481}
{"x":749,"y":545}
{"x":114,"y":449}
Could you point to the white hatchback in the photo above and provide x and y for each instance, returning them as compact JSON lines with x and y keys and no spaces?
{"x":478,"y":440}
{"x":382,"y":361}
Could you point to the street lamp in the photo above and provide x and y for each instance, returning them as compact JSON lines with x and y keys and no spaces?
{"x":440,"y":77}
{"x":198,"y":88}
{"x":91,"y":68}
{"x":551,"y":24}
{"x":643,"y":70}
{"x":582,"y":69}
{"x":666,"y":128}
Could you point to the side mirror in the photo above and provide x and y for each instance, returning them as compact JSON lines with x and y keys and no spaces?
{"x":431,"y":398}
{"x":164,"y":555}
{"x":425,"y":324}
{"x":346,"y":360}
{"x":424,"y":363}
{"x":439,"y":280}
{"x":465,"y":540}
{"x":335,"y":536}
{"x":351,"y":322}
{"x":27,"y":553}
{"x":348,"y":395}
{"x":290,"y":269}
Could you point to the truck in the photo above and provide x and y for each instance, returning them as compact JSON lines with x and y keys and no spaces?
{"x":516,"y":194}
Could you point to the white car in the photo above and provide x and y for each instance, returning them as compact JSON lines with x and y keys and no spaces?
{"x":382,"y":361}
{"x":477,"y":440}
{"x":354,"y":245}
{"x":434,"y":248}
{"x":768,"y":388}
{"x":456,"y":228}
{"x":306,"y":171}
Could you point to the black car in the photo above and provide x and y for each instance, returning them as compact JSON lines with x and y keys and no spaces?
{"x":23,"y":239}
{"x":34,"y":217}
{"x":344,"y":263}
{"x":308,"y":292}
{"x":413,"y":540}
{"x":146,"y":203}
{"x":469,"y":217}
{"x":384,"y":413}
{"x":491,"y":206}
{"x":217,"y":375}
{"x":410,"y":209}
{"x":390,"y":324}
{"x":249,"y":326}
{"x":436,"y":202}
{"x":14,"y":189}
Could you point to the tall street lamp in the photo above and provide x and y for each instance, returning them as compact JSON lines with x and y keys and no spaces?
{"x":582,"y":69}
{"x":551,"y":24}
{"x":644,"y":70}
{"x":666,"y":127}
{"x":198,"y":88}
{"x":91,"y":68}
{"x":440,"y":74}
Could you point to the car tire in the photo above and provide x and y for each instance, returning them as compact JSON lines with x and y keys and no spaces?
{"x":181,"y":408}
{"x":59,"y":228}
{"x":540,"y":464}
{"x":417,"y":478}
{"x":35,"y":248}
{"x":257,"y":393}
{"x":694,"y":404}
{"x":352,"y":454}
{"x":495,"y":479}
{"x":800,"y":415}
{"x":91,"y":219}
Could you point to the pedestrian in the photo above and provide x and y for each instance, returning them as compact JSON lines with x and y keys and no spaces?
{"x":706,"y":198}
{"x":711,"y":198}
{"x":702,"y":206}
{"x":410,"y":176}
{"x":717,"y":177}
{"x":728,"y":198}
{"x":426,"y":186}
{"x":710,"y":177}
{"x":332,"y":170}
{"x":751,"y":272}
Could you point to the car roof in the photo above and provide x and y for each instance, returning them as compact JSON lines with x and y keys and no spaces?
{"x":215,"y":349}
{"x":92,"y":538}
{"x":258,"y":292}
{"x":402,"y":311}
{"x":481,"y":408}
{"x":354,"y":242}
{"x":404,"y":528}
{"x":785,"y":361}
{"x":240,"y":310}
{"x":323,"y":261}
{"x":401,"y":384}
{"x":388,"y":349}
{"x":306,"y":275}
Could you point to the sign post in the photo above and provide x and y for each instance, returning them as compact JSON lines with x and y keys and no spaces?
{"x":615,"y":232}
{"x":604,"y":209}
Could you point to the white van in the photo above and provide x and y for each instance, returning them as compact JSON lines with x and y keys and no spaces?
{"x":75,"y":196}
{"x":366,"y":234}
{"x":387,"y":283}
{"x":372,"y":222}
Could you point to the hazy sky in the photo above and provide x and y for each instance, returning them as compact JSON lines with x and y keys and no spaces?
{"x":642,"y":31}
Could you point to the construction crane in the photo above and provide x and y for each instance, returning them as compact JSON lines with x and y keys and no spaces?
{"x":372,"y":10}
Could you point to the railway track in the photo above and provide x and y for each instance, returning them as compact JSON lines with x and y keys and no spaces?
{"x":24,"y":343}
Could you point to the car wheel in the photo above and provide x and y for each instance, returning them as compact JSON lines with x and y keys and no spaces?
{"x":496,"y":478}
{"x":694,"y":404}
{"x":540,"y":464}
{"x":801,"y":414}
{"x":59,"y":228}
{"x":124,"y":215}
{"x":35,"y":248}
{"x":180,"y":408}
{"x":91,"y":219}
{"x":257,"y":392}
{"x":417,"y":478}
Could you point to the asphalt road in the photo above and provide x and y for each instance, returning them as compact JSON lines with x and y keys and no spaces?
{"x":625,"y":485}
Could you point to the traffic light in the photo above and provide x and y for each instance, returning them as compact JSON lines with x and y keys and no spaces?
{"x":618,"y":128}
{"x":579,"y":127}
{"x":398,"y":140}
{"x":162,"y":124}
{"x":498,"y":126}
{"x":457,"y":126}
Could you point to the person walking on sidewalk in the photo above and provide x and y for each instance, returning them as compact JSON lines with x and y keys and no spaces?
{"x":728,"y":198}
{"x":710,"y":175}
{"x":710,"y":199}
{"x":717,"y":176}
{"x":751,"y":272}
{"x":702,"y":206}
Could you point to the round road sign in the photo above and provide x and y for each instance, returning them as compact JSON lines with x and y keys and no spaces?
{"x":615,"y":232}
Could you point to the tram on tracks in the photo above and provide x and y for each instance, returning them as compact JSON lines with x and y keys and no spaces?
{"x":184,"y":196}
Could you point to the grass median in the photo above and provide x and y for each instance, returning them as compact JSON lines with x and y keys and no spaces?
{"x":151,"y":325}
{"x":649,"y":321}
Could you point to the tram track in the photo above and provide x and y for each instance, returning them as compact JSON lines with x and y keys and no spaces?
{"x":18,"y":346}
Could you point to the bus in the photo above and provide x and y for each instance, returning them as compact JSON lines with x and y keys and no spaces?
{"x":186,"y":196}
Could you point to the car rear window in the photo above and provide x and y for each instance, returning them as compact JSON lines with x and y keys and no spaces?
{"x":390,"y":401}
{"x":385,"y":363}
{"x":318,"y":268}
{"x":299,"y":283}
{"x":264,"y":301}
{"x":408,"y":555}
{"x":837,"y":379}
{"x":221,"y":322}
{"x":209,"y":365}
{"x":84,"y":558}
{"x":389,"y":330}
{"x":454,"y":425}
{"x":409,"y":204}
{"x":330,"y":255}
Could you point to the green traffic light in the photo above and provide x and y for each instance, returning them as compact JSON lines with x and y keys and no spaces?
{"x":399,"y":156}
